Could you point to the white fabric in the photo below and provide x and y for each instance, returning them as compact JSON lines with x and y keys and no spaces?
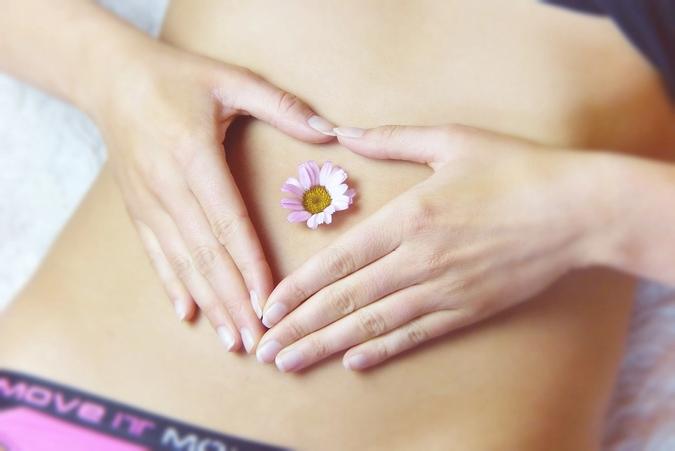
{"x":50,"y":153}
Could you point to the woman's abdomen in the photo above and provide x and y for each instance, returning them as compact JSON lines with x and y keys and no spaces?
{"x":95,"y":316}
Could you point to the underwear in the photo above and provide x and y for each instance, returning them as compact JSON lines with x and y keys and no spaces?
{"x":37,"y":415}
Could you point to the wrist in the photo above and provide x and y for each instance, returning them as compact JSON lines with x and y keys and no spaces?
{"x":112,"y":70}
{"x":603,"y":180}
{"x":588,"y":193}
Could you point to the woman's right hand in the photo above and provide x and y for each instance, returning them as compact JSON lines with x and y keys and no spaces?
{"x":164,"y":121}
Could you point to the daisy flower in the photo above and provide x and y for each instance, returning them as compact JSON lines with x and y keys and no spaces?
{"x":317,"y":193}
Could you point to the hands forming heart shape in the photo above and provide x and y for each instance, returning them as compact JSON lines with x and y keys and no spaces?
{"x":462,"y":245}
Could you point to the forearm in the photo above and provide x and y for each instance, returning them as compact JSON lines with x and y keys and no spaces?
{"x":637,"y":200}
{"x":73,"y":49}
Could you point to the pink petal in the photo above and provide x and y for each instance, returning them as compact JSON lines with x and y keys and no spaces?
{"x":341,"y":203}
{"x":292,"y":186}
{"x":326,"y":170}
{"x":304,"y":172}
{"x":298,"y":216}
{"x":292,"y":204}
{"x":328,"y":217}
{"x":293,"y":181}
{"x":337,"y":177}
{"x":313,"y":172}
{"x":313,"y":221}
{"x":336,"y":191}
{"x":329,"y":210}
{"x":350,"y":193}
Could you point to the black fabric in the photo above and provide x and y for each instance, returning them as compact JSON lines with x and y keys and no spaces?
{"x":649,"y":24}
{"x":85,"y":412}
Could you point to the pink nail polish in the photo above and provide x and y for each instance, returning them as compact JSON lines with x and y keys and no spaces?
{"x":356,"y":362}
{"x":289,"y":361}
{"x":349,"y":132}
{"x":274,"y":314}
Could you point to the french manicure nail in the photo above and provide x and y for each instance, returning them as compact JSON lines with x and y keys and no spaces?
{"x":289,"y":360}
{"x":349,"y":132}
{"x":355,"y":362}
{"x":321,"y":125}
{"x":268,"y":351}
{"x":255,"y":302}
{"x":274,"y":314}
{"x":226,"y":337}
{"x":181,"y":310}
{"x":247,"y":338}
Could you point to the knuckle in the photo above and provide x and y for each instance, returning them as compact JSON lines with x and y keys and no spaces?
{"x":204,"y":258}
{"x":457,"y":287}
{"x":381,"y":351}
{"x":339,"y":262}
{"x":435,"y":262}
{"x":422,"y":214}
{"x":181,"y":266}
{"x":389,"y":133}
{"x":372,"y":324}
{"x":452,"y":295}
{"x":342,"y":301}
{"x":286,"y":102}
{"x":234,"y":307}
{"x":294,"y":290}
{"x":416,"y":334}
{"x":319,"y":348}
{"x":225,"y":228}
{"x":294,"y":329}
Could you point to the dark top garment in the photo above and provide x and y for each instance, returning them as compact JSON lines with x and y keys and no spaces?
{"x":649,"y":24}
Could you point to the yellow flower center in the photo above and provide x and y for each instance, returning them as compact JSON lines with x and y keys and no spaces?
{"x":316,"y":199}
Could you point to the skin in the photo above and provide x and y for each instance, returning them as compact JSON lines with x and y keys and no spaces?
{"x":484,"y":387}
{"x":498,"y":222}
{"x":164,"y":117}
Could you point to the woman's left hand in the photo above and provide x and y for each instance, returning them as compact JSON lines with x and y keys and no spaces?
{"x":498,"y":221}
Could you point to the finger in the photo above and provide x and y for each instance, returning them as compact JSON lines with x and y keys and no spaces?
{"x":213,"y":262}
{"x":338,"y":300}
{"x":408,"y":336}
{"x":178,"y":256}
{"x":216,"y":191}
{"x":364,"y":324}
{"x":363,"y":244}
{"x":282,"y":110}
{"x":181,"y":299}
{"x":397,"y":142}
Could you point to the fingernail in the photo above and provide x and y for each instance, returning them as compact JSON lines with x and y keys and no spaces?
{"x":274,"y":314}
{"x":268,"y":351}
{"x":349,"y":132}
{"x":181,"y":310}
{"x":226,"y":337}
{"x":247,"y":338}
{"x":321,"y":125}
{"x":289,"y":360}
{"x":355,"y":362}
{"x":255,"y":302}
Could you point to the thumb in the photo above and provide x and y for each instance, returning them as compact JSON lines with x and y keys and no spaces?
{"x":396,"y":142}
{"x":248,"y":92}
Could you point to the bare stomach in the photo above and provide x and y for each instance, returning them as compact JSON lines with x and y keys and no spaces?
{"x":538,"y":377}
